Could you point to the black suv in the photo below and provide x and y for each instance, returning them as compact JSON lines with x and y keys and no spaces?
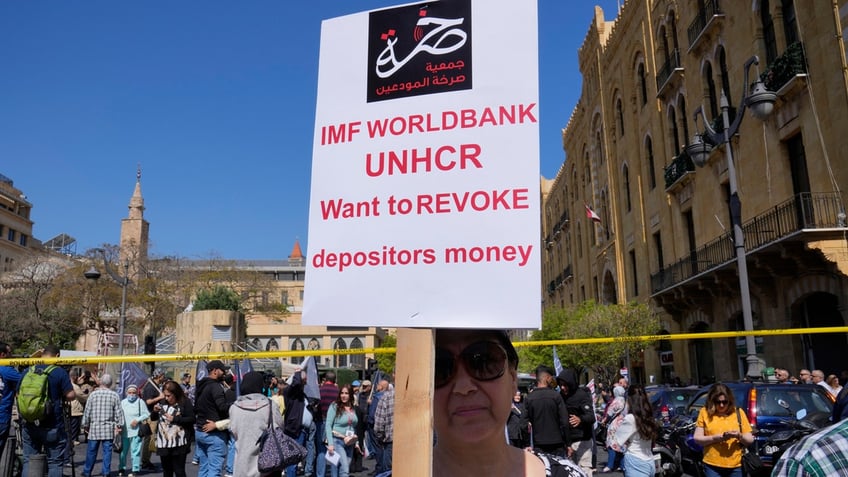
{"x":762,"y":404}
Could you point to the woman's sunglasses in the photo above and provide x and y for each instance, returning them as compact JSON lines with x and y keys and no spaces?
{"x":483,"y":361}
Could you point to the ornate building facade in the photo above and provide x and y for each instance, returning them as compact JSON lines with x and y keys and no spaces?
{"x":661,"y":228}
{"x":16,"y":241}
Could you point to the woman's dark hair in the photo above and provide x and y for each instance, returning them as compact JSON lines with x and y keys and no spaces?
{"x":175,"y":389}
{"x":339,"y":403}
{"x":718,"y":390}
{"x":643,"y":412}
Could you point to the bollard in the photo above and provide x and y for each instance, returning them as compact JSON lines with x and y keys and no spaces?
{"x":37,"y":465}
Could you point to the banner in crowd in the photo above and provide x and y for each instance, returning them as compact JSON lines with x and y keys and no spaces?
{"x":131,"y":373}
{"x":425,"y":168}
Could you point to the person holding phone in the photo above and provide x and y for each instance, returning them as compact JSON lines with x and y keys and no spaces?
{"x":723,"y":430}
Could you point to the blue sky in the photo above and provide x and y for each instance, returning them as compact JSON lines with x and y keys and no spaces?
{"x":214,"y":98}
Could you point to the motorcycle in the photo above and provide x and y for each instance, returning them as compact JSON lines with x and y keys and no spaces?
{"x":803,"y":425}
{"x":677,"y":451}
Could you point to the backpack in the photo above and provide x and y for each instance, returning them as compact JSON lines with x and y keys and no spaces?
{"x":33,"y":400}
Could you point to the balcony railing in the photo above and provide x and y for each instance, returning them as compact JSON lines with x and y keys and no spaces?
{"x":681,"y":165}
{"x":560,"y":279}
{"x":672,"y":64}
{"x":710,"y":8}
{"x":785,"y":67}
{"x":804,"y":211}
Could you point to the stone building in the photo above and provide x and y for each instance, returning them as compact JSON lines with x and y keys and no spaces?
{"x":663,"y":230}
{"x":16,"y":241}
{"x":263,"y":327}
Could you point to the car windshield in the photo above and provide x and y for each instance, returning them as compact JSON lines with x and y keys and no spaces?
{"x":786,"y":401}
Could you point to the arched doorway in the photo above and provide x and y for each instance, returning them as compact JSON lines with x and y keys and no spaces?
{"x":340,"y":360}
{"x":357,"y":360}
{"x":608,"y":293}
{"x":825,"y":351}
{"x":701,"y":353}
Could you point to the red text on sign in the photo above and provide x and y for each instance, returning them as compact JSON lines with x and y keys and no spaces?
{"x":447,"y":202}
{"x":412,"y":161}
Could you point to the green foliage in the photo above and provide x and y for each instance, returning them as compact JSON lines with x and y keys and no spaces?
{"x":386,"y":361}
{"x":219,"y":297}
{"x":591,"y":320}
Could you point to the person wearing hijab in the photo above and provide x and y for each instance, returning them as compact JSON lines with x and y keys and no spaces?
{"x":135,"y":412}
{"x":248,"y":418}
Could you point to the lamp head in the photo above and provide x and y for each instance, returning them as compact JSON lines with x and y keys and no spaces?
{"x":698,"y":150}
{"x":761,"y":101}
{"x":92,"y":274}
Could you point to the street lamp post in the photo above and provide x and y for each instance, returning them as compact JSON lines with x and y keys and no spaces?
{"x":761,"y":101}
{"x":124,"y":281}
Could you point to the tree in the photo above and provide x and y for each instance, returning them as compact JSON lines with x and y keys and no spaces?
{"x":592,"y":320}
{"x":219,"y":297}
{"x":386,"y":361}
{"x":34,"y":308}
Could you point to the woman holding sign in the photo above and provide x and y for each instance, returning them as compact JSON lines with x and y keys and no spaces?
{"x":476,"y":376}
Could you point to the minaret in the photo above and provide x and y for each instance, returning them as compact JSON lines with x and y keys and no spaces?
{"x":296,"y":256}
{"x":135,"y":231}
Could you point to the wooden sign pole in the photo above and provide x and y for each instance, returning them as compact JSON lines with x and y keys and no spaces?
{"x":413,"y":421}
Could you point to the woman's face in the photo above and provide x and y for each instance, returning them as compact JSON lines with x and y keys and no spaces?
{"x":344,"y":395}
{"x":721,"y":404}
{"x":170,"y":398}
{"x":468,"y":410}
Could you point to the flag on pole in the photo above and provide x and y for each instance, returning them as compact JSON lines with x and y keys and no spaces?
{"x":131,"y":373}
{"x":200,"y":372}
{"x":311,"y":389}
{"x":591,"y":214}
{"x":242,"y":367}
{"x":557,"y":362}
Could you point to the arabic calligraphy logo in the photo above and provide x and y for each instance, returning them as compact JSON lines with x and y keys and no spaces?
{"x":405,"y":42}
{"x":446,"y":40}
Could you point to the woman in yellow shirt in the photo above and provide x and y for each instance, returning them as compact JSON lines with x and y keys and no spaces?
{"x":723,"y":433}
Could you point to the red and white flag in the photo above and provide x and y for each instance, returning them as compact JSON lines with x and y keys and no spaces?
{"x":592,"y":215}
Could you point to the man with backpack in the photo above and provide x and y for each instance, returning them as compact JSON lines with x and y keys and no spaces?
{"x":42,"y":390}
{"x":10,"y":378}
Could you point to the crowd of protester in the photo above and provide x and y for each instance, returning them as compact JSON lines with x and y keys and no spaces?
{"x":215,"y":425}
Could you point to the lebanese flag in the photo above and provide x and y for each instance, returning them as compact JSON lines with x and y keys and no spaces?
{"x":592,"y":215}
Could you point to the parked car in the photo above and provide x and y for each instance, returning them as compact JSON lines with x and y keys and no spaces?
{"x":763,"y":403}
{"x":669,"y":401}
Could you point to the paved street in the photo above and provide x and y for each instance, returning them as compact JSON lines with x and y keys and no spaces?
{"x":191,"y":470}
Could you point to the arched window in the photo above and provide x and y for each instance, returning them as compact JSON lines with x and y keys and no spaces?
{"x":297,"y":345}
{"x":664,"y":40}
{"x":256,"y":343}
{"x":790,"y":21}
{"x":620,"y":112}
{"x":725,"y":76}
{"x":599,"y":145}
{"x":643,"y":84}
{"x":272,"y":345}
{"x":649,"y":157}
{"x":684,"y":116}
{"x":712,"y":97}
{"x":357,"y":360}
{"x":768,"y":31}
{"x":675,"y":132}
{"x":579,"y":241}
{"x":340,"y":360}
{"x":625,"y":176}
{"x":313,"y":344}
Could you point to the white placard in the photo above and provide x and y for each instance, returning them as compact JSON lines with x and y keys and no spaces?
{"x":424,"y":207}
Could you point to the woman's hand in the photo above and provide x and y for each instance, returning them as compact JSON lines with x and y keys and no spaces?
{"x":209,"y":426}
{"x":331,"y":449}
{"x":134,"y":423}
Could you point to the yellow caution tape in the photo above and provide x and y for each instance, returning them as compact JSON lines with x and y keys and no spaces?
{"x":136,"y":358}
